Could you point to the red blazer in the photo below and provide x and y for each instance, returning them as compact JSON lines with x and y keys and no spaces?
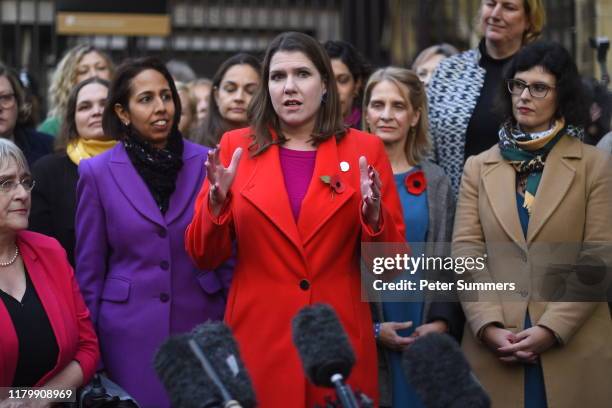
{"x":283,"y":266}
{"x":53,"y":278}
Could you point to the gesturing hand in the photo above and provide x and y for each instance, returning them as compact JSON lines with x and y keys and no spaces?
{"x":220,"y":177}
{"x":370,"y":192}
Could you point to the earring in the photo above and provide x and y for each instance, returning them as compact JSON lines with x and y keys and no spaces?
{"x":127,"y":123}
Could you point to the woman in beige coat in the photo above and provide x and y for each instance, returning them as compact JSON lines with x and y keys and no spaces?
{"x":539,"y":197}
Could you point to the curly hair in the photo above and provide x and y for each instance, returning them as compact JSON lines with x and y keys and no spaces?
{"x":65,"y":75}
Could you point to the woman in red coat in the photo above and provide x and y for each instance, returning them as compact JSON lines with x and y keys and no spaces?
{"x":46,"y":336}
{"x":298,"y":203}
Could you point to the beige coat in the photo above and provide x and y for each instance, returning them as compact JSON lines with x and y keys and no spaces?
{"x":573,"y":204}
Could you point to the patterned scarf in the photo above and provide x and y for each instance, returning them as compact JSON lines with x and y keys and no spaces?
{"x":158,"y":167}
{"x":527,"y":153}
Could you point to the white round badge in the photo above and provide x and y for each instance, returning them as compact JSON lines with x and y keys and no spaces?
{"x":344,"y":166}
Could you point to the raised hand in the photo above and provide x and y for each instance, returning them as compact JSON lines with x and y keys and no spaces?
{"x":371,"y":193}
{"x":220,"y":177}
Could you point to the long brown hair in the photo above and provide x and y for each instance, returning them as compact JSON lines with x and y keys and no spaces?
{"x":215,"y":124}
{"x":261,"y":113}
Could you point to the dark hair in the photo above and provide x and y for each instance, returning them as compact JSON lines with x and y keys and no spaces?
{"x":23,"y":108}
{"x":68,"y":131}
{"x":354,"y":61}
{"x":120,"y":91}
{"x":597,"y":93}
{"x":556,"y":60}
{"x":261,"y":112}
{"x":215,"y":125}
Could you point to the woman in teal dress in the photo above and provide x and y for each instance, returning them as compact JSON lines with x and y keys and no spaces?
{"x":395,"y":109}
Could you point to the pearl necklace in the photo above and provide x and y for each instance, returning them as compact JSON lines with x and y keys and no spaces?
{"x":12,"y":260}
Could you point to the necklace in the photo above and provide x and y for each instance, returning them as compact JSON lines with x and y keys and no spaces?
{"x":12,"y":260}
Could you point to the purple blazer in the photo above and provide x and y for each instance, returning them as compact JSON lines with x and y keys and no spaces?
{"x":134,"y":273}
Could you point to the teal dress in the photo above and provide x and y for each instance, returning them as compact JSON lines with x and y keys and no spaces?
{"x":416,"y":219}
{"x":535,"y":392}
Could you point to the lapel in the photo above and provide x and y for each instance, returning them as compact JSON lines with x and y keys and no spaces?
{"x":43,"y":286}
{"x":499,"y":180}
{"x":559,"y":173}
{"x":8,"y":342}
{"x":133,"y":186}
{"x":188,"y":182}
{"x":265,"y":189}
{"x":320,"y":204}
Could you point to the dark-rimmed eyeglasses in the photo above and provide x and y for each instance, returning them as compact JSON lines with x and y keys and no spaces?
{"x":9,"y":185}
{"x":7,"y":100}
{"x":537,"y":90}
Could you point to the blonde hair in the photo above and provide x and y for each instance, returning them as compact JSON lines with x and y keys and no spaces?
{"x":536,"y":16}
{"x":65,"y":75}
{"x":418,"y":146}
{"x":444,"y":49}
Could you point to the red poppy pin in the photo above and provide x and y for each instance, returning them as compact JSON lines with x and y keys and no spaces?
{"x":415,"y":183}
{"x":335,"y":183}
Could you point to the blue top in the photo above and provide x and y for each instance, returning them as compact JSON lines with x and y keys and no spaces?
{"x":535,"y":392}
{"x":416,"y":219}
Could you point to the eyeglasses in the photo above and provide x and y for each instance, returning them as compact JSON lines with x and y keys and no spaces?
{"x":7,"y":100}
{"x":9,"y":185}
{"x":537,"y":90}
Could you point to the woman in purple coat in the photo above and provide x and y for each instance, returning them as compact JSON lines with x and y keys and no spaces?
{"x":134,"y":204}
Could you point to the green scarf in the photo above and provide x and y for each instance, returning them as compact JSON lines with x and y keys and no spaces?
{"x":514,"y":143}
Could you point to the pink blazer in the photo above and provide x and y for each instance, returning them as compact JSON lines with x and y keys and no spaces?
{"x":53,"y":278}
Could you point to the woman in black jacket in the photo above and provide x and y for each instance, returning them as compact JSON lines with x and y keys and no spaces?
{"x":81,"y":137}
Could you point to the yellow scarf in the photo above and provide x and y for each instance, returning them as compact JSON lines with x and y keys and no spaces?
{"x":80,"y":149}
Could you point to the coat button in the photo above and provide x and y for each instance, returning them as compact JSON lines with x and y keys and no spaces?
{"x":164,"y":265}
{"x":162,"y":233}
{"x":304,"y":284}
{"x":523,"y":257}
{"x":164,"y":297}
{"x":523,"y":293}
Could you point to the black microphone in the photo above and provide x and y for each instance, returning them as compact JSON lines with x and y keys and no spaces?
{"x":204,"y":370}
{"x":439,"y":372}
{"x":325,"y":350}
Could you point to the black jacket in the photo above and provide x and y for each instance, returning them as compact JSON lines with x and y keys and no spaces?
{"x":33,"y":144}
{"x":54,"y":200}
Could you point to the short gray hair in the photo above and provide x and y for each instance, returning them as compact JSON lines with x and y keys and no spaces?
{"x":9,"y":151}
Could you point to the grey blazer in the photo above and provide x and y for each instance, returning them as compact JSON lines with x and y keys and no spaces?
{"x":441,"y":203}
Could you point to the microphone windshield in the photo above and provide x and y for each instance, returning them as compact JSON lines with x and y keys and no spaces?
{"x":220,"y":347}
{"x":185,"y":379}
{"x":322,"y":344}
{"x":439,"y":372}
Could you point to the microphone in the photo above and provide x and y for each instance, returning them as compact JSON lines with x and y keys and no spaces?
{"x":439,"y":372}
{"x":325,"y":350}
{"x":203,"y":369}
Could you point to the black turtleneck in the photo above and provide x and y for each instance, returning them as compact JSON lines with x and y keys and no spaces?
{"x":484,"y":124}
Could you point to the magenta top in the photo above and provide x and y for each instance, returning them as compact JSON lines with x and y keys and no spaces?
{"x":297,"y":166}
